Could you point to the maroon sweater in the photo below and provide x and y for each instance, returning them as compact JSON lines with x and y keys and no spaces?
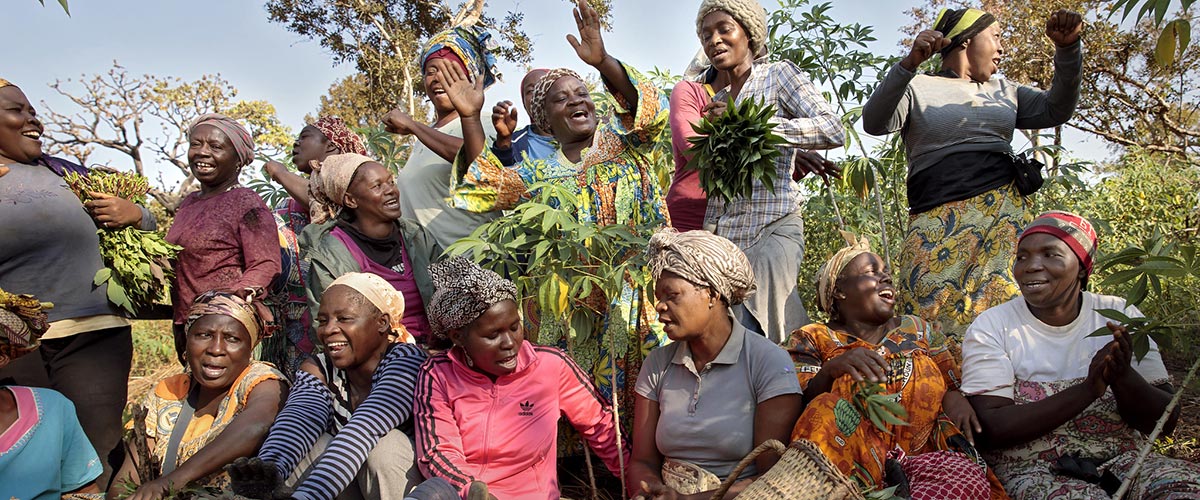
{"x":229,"y":241}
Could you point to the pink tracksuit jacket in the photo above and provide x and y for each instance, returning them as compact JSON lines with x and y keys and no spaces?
{"x":505,"y":432}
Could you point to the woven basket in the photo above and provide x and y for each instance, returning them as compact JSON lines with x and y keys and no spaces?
{"x":802,"y":473}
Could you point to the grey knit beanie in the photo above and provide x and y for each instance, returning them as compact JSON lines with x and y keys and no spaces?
{"x":749,"y":13}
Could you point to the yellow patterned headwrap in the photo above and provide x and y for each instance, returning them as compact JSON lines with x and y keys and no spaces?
{"x":828,"y":274}
{"x":6,"y":83}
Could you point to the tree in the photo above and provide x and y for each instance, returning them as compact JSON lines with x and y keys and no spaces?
{"x":353,"y":100}
{"x":382,"y":39}
{"x":120,"y":112}
{"x":1126,"y":98}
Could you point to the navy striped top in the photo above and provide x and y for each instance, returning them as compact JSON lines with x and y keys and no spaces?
{"x":311,"y":409}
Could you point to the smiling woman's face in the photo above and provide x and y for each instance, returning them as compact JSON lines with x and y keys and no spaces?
{"x":724,"y":41}
{"x":20,"y":129}
{"x":570,"y":110}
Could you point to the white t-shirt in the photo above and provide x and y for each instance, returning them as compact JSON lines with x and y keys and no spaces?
{"x":1007,"y":343}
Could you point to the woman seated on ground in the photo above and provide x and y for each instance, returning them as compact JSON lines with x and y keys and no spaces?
{"x":345,"y":430}
{"x":488,"y":408}
{"x":44,"y":454}
{"x":865,"y":343}
{"x":1064,"y":414}
{"x":200,"y":421}
{"x":357,"y":228}
{"x":327,"y":136}
{"x":718,"y":390}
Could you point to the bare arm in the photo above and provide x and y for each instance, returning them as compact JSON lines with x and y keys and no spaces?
{"x":590,"y":49}
{"x":295,"y":185}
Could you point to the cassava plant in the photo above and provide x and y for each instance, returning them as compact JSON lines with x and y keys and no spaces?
{"x":735,"y":149}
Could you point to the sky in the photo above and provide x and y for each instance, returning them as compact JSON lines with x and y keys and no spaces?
{"x":264,"y":61}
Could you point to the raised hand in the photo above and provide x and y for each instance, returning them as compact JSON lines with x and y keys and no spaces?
{"x":465,"y":95}
{"x":398,"y":122}
{"x":1064,"y":27}
{"x":504,"y":120}
{"x":925,"y":45}
{"x":590,"y":45}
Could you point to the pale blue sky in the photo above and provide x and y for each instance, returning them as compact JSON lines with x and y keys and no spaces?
{"x":264,"y":61}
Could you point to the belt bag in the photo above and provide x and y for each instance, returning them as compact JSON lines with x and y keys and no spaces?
{"x":1028,"y":173}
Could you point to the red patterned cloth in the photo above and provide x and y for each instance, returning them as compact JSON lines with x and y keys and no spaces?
{"x":944,"y":474}
{"x":340,"y":135}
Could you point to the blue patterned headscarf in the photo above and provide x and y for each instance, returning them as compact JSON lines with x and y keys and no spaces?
{"x":474,"y":45}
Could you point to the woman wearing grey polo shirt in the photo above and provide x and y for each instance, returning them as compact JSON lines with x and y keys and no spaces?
{"x":719,"y":391}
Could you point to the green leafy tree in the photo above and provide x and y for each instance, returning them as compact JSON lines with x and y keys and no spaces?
{"x":382,"y":38}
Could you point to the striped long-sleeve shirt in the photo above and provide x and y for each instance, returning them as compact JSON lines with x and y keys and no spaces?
{"x":310,"y":411}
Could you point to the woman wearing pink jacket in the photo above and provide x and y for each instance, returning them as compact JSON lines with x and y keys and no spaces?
{"x":487,"y":410}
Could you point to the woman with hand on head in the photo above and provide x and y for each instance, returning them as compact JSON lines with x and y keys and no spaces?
{"x":767,"y":225}
{"x":1064,"y":413}
{"x":357,"y":228}
{"x":227,"y":233}
{"x":49,"y":248}
{"x":717,"y":392}
{"x":957,"y":125}
{"x":864,"y":342}
{"x":199,"y":422}
{"x":487,"y":410}
{"x":345,"y":430}
{"x":327,"y":136}
{"x":425,"y":178}
{"x":607,"y":166}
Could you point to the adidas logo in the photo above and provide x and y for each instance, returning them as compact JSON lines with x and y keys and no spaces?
{"x":526,"y":409}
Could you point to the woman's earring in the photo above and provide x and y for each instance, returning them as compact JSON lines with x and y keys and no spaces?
{"x":470,"y":362}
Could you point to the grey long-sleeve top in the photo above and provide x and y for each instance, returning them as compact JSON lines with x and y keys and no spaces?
{"x":940,"y":116}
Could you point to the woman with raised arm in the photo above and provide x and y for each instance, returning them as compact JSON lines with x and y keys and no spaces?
{"x":768,"y":225}
{"x":613,"y":179}
{"x":327,"y":136}
{"x":425,"y":179}
{"x":1065,"y":413}
{"x":957,"y":125}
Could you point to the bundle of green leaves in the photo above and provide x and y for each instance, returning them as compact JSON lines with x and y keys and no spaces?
{"x":735,"y":149}
{"x":881,"y":408}
{"x":137,"y":263}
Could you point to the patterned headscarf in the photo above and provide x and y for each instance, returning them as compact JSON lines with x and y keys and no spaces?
{"x":383,"y":296}
{"x":6,"y":83}
{"x":827,"y":275}
{"x":540,"y":90}
{"x":329,"y":182}
{"x":243,"y":142}
{"x":250,"y":313}
{"x":1072,"y":229}
{"x":463,"y":292}
{"x":23,"y":320}
{"x":340,"y":135}
{"x":704,"y":259}
{"x":749,"y":13}
{"x":960,"y":25}
{"x":474,"y":47}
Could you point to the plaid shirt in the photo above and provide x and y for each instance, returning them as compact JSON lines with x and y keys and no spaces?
{"x":806,"y":121}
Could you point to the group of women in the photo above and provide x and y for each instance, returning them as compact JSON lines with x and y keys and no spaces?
{"x":331,"y":351}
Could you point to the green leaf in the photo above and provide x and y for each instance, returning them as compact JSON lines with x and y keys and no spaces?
{"x":102,"y":276}
{"x":1164,"y":50}
{"x":1114,"y":315}
{"x":1141,"y":345}
{"x":1101,"y":332}
{"x":1137,"y":293}
{"x":1183,"y":29}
